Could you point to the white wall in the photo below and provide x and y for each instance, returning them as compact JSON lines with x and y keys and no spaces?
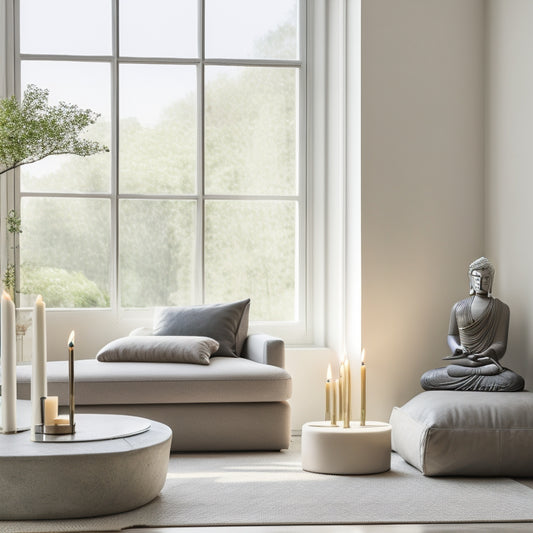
{"x":509,"y":173}
{"x":422,"y":183}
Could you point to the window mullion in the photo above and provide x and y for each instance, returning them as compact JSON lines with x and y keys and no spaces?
{"x":303,"y":290}
{"x":115,"y":241}
{"x":199,"y":285}
{"x":13,"y":87}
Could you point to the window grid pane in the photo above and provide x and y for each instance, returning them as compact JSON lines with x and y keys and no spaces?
{"x":263,"y":29}
{"x":251,"y":251}
{"x":157,"y":132}
{"x":167,"y":29}
{"x":70,"y":27}
{"x":250,"y":130}
{"x":65,"y":251}
{"x":156,"y":242}
{"x":88,"y":85}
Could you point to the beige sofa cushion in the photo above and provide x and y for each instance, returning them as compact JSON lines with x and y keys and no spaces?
{"x":466,"y":433}
{"x":161,"y":349}
{"x":223,"y":380}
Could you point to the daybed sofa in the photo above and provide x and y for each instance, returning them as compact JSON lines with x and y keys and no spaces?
{"x":231,"y":403}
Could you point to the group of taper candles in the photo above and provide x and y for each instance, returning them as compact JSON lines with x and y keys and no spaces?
{"x":339,"y":394}
{"x":44,"y":408}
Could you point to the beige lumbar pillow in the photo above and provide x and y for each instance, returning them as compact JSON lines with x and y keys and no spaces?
{"x":160,"y":349}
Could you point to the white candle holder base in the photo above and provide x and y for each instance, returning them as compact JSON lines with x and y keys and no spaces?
{"x":19,"y":429}
{"x":59,"y":429}
{"x":328,"y":449}
{"x":23,"y":420}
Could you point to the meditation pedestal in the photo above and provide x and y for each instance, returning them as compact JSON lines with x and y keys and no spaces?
{"x":328,"y":449}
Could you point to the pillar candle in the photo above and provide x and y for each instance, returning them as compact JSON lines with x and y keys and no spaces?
{"x":38,"y":371}
{"x":9,"y":365}
{"x":50,"y":410}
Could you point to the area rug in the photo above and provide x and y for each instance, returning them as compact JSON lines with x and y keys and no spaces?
{"x":225,"y":489}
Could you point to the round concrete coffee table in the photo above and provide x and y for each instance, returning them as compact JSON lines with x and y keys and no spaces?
{"x":84,"y":478}
{"x":328,"y":449}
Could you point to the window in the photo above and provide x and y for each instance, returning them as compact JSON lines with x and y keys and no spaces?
{"x":202,"y":197}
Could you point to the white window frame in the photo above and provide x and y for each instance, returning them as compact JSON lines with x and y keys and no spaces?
{"x":332,"y":245}
{"x":297,"y":331}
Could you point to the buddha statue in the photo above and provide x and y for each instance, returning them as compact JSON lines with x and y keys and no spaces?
{"x":477,"y":338}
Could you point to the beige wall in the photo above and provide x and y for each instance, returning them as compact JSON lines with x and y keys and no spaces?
{"x":509,"y":171}
{"x":422,"y":183}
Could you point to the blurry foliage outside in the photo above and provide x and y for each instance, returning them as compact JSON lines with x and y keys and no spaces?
{"x":250,"y":244}
{"x":30,"y":131}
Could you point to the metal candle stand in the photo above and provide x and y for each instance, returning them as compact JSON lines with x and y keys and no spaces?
{"x":62,"y":429}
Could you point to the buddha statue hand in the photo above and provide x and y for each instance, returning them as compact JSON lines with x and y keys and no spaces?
{"x":457,"y":371}
{"x":475,"y":360}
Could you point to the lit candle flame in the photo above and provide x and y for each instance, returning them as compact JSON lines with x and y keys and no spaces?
{"x":39,"y":299}
{"x":363,"y":357}
{"x":328,"y":375}
{"x":5,"y":294}
{"x":70,"y":343}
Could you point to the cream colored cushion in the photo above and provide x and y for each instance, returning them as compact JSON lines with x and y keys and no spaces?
{"x":466,"y":433}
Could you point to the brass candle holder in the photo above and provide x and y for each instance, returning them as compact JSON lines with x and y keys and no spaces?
{"x":61,"y":428}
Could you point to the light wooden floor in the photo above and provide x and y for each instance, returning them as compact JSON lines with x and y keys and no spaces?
{"x":487,"y":527}
{"x":393,"y":528}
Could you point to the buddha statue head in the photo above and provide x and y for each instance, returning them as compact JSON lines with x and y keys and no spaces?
{"x":481,"y":275}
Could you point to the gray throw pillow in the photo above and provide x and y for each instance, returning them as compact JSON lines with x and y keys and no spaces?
{"x":226,"y":323}
{"x":150,"y":349}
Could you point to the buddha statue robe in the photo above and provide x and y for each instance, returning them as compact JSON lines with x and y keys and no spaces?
{"x":488,"y":333}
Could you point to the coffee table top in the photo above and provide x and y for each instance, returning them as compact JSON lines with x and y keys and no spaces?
{"x":95,"y":434}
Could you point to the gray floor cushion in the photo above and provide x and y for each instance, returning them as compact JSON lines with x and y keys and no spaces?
{"x":466,"y":433}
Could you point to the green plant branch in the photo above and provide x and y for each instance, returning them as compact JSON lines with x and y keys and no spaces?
{"x":34,"y":129}
{"x":14,"y":224}
{"x":9,"y":280}
{"x":19,"y":164}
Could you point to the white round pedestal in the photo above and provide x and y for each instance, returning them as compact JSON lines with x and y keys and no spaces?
{"x":328,"y":449}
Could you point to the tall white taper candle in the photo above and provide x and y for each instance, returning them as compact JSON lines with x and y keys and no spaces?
{"x":38,"y":370}
{"x":348,"y":393}
{"x":363,"y":389}
{"x":328,"y":394}
{"x":8,"y":353}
